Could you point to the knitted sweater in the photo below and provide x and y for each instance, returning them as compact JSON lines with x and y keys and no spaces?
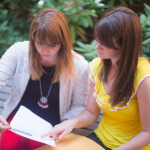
{"x":15,"y":63}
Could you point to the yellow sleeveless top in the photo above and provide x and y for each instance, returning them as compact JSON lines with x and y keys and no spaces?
{"x":118,"y":124}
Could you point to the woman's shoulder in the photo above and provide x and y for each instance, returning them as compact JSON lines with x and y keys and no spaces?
{"x":21,"y":44}
{"x":143,"y":70}
{"x":24,"y":46}
{"x":95,"y":65}
{"x":79,"y":60}
{"x":95,"y":62}
{"x":143,"y":66}
{"x":143,"y":62}
{"x":19,"y":47}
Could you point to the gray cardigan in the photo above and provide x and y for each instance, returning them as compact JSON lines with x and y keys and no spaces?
{"x":15,"y":62}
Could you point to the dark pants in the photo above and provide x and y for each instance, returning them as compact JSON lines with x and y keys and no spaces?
{"x":96,"y":139}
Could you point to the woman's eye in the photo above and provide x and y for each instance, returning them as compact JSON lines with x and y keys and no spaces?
{"x":52,"y":45}
{"x":39,"y":43}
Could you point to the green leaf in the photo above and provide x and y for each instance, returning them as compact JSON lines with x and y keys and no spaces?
{"x":143,"y":19}
{"x":147,"y":34}
{"x":4,"y":12}
{"x":84,"y":4}
{"x":72,"y":33}
{"x":109,"y":3}
{"x":88,"y":12}
{"x":101,"y":5}
{"x":80,"y":49}
{"x":93,"y":43}
{"x":91,"y":47}
{"x":75,"y":18}
{"x":50,"y":4}
{"x":4,"y":23}
{"x":82,"y":45}
{"x":131,"y":2}
{"x":145,"y":49}
{"x":84,"y":22}
{"x":68,"y":8}
{"x":97,"y":1}
{"x":79,"y":3}
{"x":92,"y":54}
{"x":147,"y":9}
{"x":74,"y":10}
{"x":80,"y":29}
{"x":90,"y":21}
{"x":122,"y":1}
{"x":145,"y":56}
{"x":148,"y":22}
{"x":148,"y":18}
{"x":93,"y":13}
{"x":146,"y":41}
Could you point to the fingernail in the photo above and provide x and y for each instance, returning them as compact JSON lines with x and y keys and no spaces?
{"x":10,"y":128}
{"x":50,"y":136}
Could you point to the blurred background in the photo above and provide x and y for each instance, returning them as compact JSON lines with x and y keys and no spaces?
{"x":16,"y":16}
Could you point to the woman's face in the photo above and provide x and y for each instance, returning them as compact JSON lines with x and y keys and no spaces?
{"x":47,"y":51}
{"x":106,"y":53}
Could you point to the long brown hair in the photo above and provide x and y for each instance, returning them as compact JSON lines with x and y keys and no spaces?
{"x":121,"y":25}
{"x":50,"y":27}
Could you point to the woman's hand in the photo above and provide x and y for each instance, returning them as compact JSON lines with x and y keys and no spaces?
{"x":4,"y":126}
{"x":62,"y":129}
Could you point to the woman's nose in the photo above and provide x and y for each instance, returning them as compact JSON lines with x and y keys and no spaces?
{"x":45,"y":49}
{"x":98,"y":46}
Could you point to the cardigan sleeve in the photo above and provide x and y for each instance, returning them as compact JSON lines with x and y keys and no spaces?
{"x":8,"y":64}
{"x":80,"y":92}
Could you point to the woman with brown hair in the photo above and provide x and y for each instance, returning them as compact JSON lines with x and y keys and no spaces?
{"x":120,"y":85}
{"x":50,"y":79}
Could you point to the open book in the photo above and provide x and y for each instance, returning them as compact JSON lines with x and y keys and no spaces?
{"x":29,"y":125}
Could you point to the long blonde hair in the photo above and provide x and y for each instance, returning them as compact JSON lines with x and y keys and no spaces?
{"x":50,"y":27}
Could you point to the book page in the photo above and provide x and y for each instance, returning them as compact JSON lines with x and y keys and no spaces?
{"x":31,"y":125}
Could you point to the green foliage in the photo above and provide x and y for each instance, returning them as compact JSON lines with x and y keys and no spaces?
{"x":15,"y":18}
{"x":145,"y":23}
{"x":127,"y":3}
{"x":87,"y":50}
{"x":79,"y":14}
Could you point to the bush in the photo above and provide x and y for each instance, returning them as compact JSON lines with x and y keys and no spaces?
{"x":87,"y":50}
{"x":145,"y":22}
{"x":16,"y":16}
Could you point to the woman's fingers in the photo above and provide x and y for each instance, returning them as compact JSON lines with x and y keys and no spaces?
{"x":54,"y":131}
{"x":2,"y":120}
{"x":61,"y":130}
{"x":56,"y":137}
{"x":59,"y":134}
{"x":3,"y":128}
{"x":3,"y":124}
{"x":66,"y":132}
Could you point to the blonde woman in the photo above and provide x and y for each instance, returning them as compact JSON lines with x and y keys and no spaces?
{"x":50,"y":79}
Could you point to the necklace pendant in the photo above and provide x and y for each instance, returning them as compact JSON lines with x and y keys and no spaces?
{"x":43,"y":102}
